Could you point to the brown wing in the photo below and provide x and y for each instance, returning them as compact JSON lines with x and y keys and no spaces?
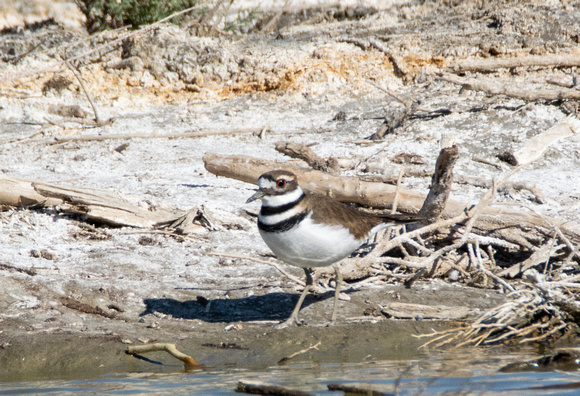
{"x":327,"y":210}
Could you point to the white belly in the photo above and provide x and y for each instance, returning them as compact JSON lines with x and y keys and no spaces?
{"x":311,"y":245}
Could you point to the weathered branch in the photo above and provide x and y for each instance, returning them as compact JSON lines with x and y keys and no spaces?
{"x":171,"y":349}
{"x":441,"y":183}
{"x":303,"y":152}
{"x":127,"y":136}
{"x":509,"y":63}
{"x":529,"y":93}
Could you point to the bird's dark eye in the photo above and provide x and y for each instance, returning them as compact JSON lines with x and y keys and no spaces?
{"x":281,"y":183}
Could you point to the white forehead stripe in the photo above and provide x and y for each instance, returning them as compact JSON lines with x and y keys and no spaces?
{"x":266,"y":183}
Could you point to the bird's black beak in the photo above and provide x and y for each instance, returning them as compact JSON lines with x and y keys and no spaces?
{"x":257,"y":195}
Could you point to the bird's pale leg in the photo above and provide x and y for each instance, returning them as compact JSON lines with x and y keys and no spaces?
{"x":338,"y":281}
{"x":293,"y":319}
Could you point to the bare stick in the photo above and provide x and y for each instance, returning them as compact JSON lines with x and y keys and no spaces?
{"x":492,"y":87}
{"x":509,"y":63}
{"x":126,"y":136}
{"x":187,"y":360}
{"x":399,"y":66}
{"x":80,"y":80}
{"x":364,"y":45}
{"x":396,"y":199}
{"x":284,"y":360}
{"x":391,"y":94}
{"x":479,"y":263}
{"x":543,"y":336}
{"x":300,"y":282}
{"x":386,"y":245}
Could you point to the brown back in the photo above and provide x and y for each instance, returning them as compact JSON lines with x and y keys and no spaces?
{"x":330,"y":211}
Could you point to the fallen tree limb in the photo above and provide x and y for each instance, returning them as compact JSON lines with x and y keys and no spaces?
{"x":529,"y":93}
{"x":98,"y":205}
{"x":504,"y":221}
{"x":508,"y":63}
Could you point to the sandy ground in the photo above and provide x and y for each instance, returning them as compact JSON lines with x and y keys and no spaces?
{"x":293,"y":85}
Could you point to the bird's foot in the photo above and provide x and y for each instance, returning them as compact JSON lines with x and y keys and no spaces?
{"x":332,"y":322}
{"x":291,"y":321}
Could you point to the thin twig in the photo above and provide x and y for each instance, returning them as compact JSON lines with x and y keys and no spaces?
{"x":544,"y":336}
{"x":391,"y":94}
{"x":127,"y":136}
{"x":396,"y":199}
{"x":80,"y":80}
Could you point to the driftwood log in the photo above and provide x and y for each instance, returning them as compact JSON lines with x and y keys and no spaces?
{"x":97,"y":205}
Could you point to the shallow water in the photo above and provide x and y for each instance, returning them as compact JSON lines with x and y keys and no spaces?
{"x":459,"y":372}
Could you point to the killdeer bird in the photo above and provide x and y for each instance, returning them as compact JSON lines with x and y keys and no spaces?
{"x":309,"y":231}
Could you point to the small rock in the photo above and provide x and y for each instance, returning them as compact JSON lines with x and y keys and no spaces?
{"x":343,"y":297}
{"x":236,"y":326}
{"x":453,"y":275}
{"x":45,"y":254}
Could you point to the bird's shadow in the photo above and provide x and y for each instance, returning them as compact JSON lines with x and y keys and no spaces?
{"x":271,"y":306}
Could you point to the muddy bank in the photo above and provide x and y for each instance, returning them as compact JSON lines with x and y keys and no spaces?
{"x":34,"y":349}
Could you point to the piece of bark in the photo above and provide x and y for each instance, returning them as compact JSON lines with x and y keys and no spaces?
{"x":20,"y":193}
{"x":301,"y":151}
{"x":529,"y":93}
{"x":441,"y":183}
{"x":509,"y":63}
{"x":438,"y":312}
{"x":98,"y":205}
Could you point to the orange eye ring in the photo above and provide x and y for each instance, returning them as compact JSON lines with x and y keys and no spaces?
{"x":281,"y":183}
